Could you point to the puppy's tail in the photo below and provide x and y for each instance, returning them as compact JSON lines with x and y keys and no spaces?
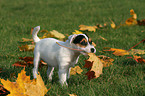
{"x":34,"y":34}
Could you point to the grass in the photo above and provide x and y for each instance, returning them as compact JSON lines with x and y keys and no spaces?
{"x":124,"y":78}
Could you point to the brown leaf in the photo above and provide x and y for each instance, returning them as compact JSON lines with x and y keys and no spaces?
{"x":96,"y":68}
{"x":141,"y":22}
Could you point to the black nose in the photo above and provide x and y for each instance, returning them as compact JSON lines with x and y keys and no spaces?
{"x":92,"y":50}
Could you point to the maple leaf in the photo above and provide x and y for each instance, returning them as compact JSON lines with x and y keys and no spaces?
{"x":36,"y":88}
{"x":107,"y":61}
{"x":20,"y":87}
{"x":75,"y":70}
{"x":26,"y":47}
{"x":89,"y":28}
{"x":132,"y":20}
{"x":96,"y":68}
{"x":3,"y":91}
{"x":77,"y":32}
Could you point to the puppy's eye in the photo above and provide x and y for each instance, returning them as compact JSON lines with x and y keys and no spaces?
{"x":83,"y":43}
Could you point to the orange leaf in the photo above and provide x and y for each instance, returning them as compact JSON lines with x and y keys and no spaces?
{"x":132,"y":20}
{"x":117,"y":52}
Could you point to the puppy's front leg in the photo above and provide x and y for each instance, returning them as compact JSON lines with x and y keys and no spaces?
{"x":63,"y":70}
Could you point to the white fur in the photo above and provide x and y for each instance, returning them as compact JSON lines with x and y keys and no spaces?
{"x":55,"y":55}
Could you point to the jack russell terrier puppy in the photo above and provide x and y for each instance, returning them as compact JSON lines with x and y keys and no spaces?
{"x":60,"y":57}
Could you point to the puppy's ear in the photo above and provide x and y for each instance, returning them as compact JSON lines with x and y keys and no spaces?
{"x":71,"y":38}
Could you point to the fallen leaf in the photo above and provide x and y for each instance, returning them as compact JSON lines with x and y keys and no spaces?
{"x":96,"y":68}
{"x":117,"y":52}
{"x":107,"y":61}
{"x":26,"y":40}
{"x":141,"y":22}
{"x":37,"y":89}
{"x":24,"y":85}
{"x":77,"y":32}
{"x":132,"y":20}
{"x":137,"y":51}
{"x":27,"y":61}
{"x":26,"y":47}
{"x":75,"y":70}
{"x":58,"y":35}
{"x":3,"y":91}
{"x":138,"y":59}
{"x":113,"y":25}
{"x":89,"y":28}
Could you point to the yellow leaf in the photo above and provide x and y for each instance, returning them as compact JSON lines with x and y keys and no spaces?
{"x":96,"y":66}
{"x":118,"y":52}
{"x":37,"y":89}
{"x":72,"y":95}
{"x":132,"y":20}
{"x":77,"y":32}
{"x":107,"y":61}
{"x":26,"y":47}
{"x":89,"y":28}
{"x":26,"y":40}
{"x":24,"y":85}
{"x":75,"y":70}
{"x":113,"y":24}
{"x":57,"y":34}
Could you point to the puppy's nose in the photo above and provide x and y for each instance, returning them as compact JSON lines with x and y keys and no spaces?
{"x":92,"y":50}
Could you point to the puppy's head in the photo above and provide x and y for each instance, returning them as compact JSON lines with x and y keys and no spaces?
{"x":83,"y":42}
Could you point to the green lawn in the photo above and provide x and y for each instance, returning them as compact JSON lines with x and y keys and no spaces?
{"x":124,"y":78}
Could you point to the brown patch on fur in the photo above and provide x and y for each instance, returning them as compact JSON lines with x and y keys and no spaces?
{"x":84,"y":39}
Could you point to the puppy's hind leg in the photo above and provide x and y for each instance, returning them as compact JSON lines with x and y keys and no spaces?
{"x":50,"y":72}
{"x":36,"y":64}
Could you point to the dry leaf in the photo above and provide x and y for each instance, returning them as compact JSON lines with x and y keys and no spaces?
{"x":113,"y":24}
{"x":72,"y":95}
{"x":117,"y":52}
{"x":26,"y":40}
{"x":77,"y":32}
{"x":132,"y":20}
{"x":26,"y":47}
{"x":138,"y":59}
{"x":27,"y":61}
{"x":58,"y":35}
{"x":75,"y":70}
{"x":20,"y":87}
{"x":141,"y":22}
{"x":3,"y":91}
{"x":37,"y":89}
{"x":107,"y":61}
{"x":96,"y":68}
{"x":89,"y":28}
